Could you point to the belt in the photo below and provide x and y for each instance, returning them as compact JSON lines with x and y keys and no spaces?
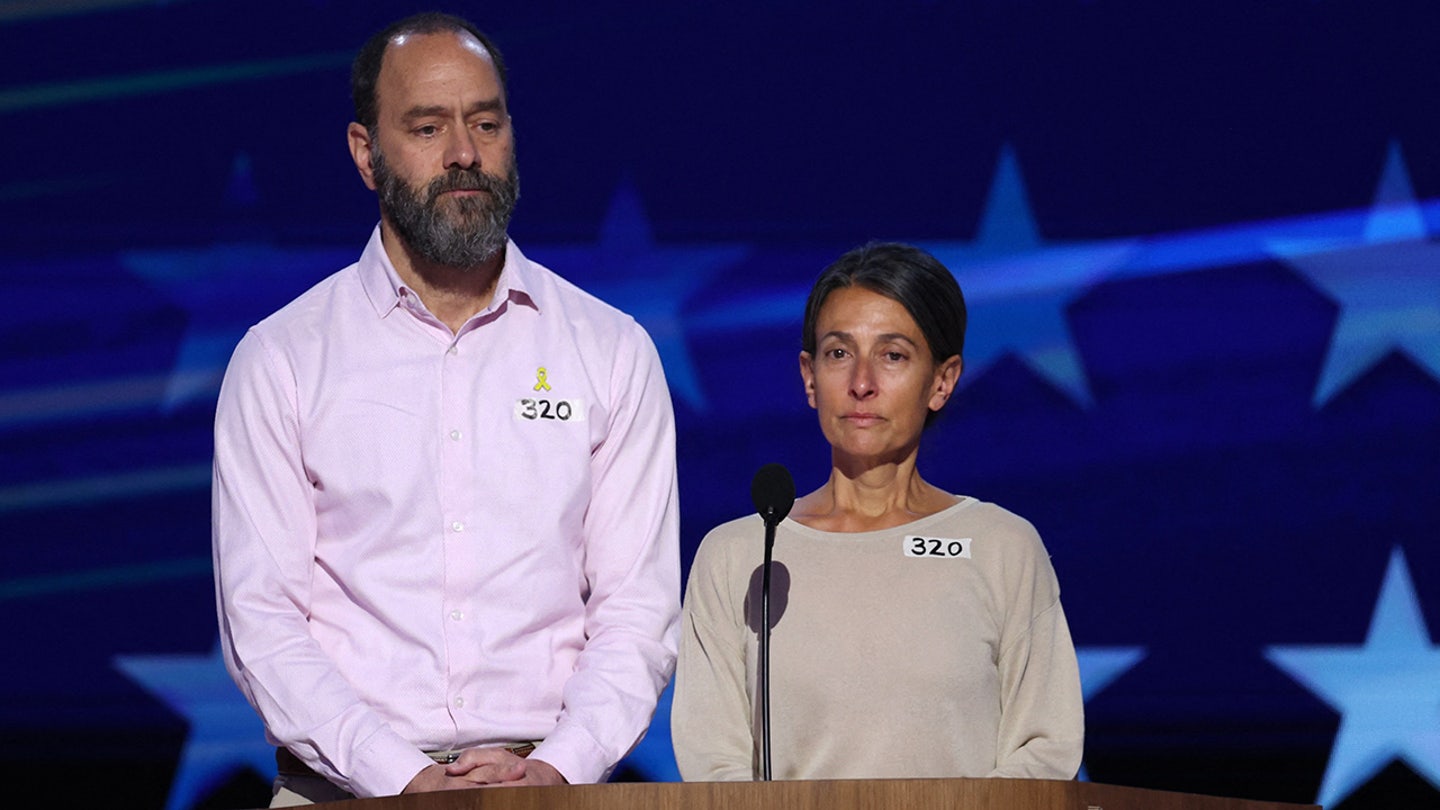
{"x":291,"y":765}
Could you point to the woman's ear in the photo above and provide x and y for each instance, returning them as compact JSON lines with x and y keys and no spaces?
{"x":947,"y":376}
{"x":807,"y":375}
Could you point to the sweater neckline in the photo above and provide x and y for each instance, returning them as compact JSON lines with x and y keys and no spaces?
{"x":912,"y":527}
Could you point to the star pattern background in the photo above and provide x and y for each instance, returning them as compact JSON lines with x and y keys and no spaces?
{"x":1197,"y":242}
{"x":1385,"y":690}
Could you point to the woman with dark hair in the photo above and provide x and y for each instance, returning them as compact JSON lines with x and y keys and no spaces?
{"x":914,"y":633}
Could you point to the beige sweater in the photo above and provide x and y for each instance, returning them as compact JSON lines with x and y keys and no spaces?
{"x":955,"y":662}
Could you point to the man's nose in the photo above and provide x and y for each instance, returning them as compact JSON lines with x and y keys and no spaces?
{"x":460,"y":151}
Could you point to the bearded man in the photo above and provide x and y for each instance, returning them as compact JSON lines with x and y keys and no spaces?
{"x":444,"y":508}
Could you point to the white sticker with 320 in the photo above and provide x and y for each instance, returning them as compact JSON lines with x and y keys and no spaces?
{"x":937,"y":548}
{"x":544,"y":409}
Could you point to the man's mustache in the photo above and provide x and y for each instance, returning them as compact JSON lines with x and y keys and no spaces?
{"x":464,"y":180}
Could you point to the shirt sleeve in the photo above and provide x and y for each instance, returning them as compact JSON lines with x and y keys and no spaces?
{"x":632,"y":568}
{"x":710,"y":718}
{"x":1041,"y":733}
{"x":263,"y":539}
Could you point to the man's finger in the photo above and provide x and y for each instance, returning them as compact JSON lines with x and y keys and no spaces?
{"x":486,"y":765}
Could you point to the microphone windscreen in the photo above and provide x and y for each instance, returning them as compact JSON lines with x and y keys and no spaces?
{"x":773,"y":491}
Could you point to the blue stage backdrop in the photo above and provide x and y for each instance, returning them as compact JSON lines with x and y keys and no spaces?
{"x":1198,"y":241}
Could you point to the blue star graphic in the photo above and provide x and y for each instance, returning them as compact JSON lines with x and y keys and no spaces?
{"x":1387,"y":690}
{"x":651,"y":282}
{"x":225,"y":733}
{"x":1017,"y":286}
{"x":1099,"y":667}
{"x":1385,"y":282}
{"x":225,"y":289}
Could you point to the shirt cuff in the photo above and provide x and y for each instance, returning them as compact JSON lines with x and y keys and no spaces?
{"x":575,"y":755}
{"x":385,"y":764}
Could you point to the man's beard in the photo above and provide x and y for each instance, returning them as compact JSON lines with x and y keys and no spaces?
{"x":467,"y":236}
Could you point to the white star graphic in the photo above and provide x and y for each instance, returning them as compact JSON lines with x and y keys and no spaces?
{"x":1386,"y":690}
{"x":650,"y":282}
{"x":1017,"y":287}
{"x":225,"y":733}
{"x":1387,"y":283}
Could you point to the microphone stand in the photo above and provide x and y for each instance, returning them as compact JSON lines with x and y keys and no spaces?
{"x":773,"y":491}
{"x":764,"y":669}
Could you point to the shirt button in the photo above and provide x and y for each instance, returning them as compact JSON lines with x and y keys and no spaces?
{"x":457,"y":526}
{"x":456,"y":615}
{"x":459,"y":703}
{"x":455,"y":435}
{"x":453,"y":350}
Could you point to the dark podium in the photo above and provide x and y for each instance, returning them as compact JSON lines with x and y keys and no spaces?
{"x":846,"y":794}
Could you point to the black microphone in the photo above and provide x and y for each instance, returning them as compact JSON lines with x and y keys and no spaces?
{"x":773,"y":491}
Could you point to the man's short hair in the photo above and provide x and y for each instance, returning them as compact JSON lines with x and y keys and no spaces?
{"x":365,"y":71}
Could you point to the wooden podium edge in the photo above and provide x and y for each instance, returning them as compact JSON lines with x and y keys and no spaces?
{"x":840,"y":794}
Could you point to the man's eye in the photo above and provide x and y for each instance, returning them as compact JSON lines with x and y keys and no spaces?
{"x":427,"y":130}
{"x":488,"y":126}
{"x":836,"y":354}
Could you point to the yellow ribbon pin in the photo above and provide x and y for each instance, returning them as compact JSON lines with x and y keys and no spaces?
{"x":540,"y":384}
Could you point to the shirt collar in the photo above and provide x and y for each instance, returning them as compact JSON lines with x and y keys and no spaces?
{"x":384,"y":288}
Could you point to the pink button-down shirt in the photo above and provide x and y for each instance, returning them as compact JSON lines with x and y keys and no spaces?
{"x":429,"y":541}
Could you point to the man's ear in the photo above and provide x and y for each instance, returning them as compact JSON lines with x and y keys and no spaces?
{"x":362,"y":152}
